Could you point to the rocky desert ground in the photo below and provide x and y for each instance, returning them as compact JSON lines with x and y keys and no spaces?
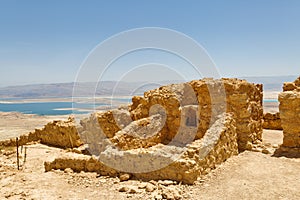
{"x":250,"y":175}
{"x":259,"y":172}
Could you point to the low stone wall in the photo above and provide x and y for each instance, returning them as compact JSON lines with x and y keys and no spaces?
{"x":58,"y":133}
{"x":198,"y":158}
{"x":272,"y":121}
{"x":289,"y":108}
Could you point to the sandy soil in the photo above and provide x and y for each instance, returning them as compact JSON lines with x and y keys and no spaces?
{"x":250,"y":175}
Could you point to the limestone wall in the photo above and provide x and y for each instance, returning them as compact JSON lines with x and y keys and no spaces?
{"x":178,"y":132}
{"x":272,"y":121}
{"x":61,"y":134}
{"x":292,"y":86}
{"x":219,"y":142}
{"x":187,"y":110}
{"x":289,"y":108}
{"x":202,"y":155}
{"x":58,"y":133}
{"x":242,"y":98}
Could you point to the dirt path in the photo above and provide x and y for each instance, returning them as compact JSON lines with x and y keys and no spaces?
{"x":253,"y":175}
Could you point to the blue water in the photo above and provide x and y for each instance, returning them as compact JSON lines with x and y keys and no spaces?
{"x":46,"y":108}
{"x":49,"y":108}
{"x":39,"y":108}
{"x":270,"y":100}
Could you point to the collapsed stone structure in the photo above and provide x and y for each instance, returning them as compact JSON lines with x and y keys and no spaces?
{"x":63,"y":134}
{"x":289,"y":108}
{"x":272,"y":121}
{"x":163,"y":161}
{"x":292,"y":86}
{"x":178,"y":132}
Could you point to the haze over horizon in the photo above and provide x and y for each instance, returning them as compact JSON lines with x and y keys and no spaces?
{"x":46,"y":42}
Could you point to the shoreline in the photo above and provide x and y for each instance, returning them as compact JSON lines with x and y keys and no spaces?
{"x":60,"y":99}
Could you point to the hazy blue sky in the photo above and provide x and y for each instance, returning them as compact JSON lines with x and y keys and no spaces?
{"x":46,"y":41}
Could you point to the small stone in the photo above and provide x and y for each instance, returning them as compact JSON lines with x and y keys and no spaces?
{"x":153,"y":182}
{"x":158,"y":197}
{"x":75,"y":150}
{"x":268,"y":144}
{"x":68,"y":170}
{"x":249,"y":146}
{"x":102,"y":180}
{"x":265,"y":151}
{"x":124,"y":177}
{"x":142,"y":186}
{"x":166,"y":182}
{"x":171,"y":194}
{"x":201,"y":181}
{"x":132,"y":191}
{"x":123,"y":189}
{"x":150,"y":187}
{"x":256,"y":150}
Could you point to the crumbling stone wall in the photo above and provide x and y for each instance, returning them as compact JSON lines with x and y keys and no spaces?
{"x":272,"y":121}
{"x":289,"y":108}
{"x":242,"y":98}
{"x":63,"y":134}
{"x":292,"y":86}
{"x":184,"y":108}
{"x":204,"y":121}
{"x":202,"y":155}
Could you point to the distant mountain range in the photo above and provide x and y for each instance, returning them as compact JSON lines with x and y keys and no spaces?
{"x":104,"y":88}
{"x":108,"y":88}
{"x":271,"y":83}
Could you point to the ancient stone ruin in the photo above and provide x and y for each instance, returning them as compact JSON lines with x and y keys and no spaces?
{"x":292,"y":86}
{"x":177,"y":132}
{"x":289,"y":108}
{"x":272,"y":121}
{"x":62,"y":134}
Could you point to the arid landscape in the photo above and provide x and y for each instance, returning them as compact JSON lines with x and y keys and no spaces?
{"x":258,"y":172}
{"x":150,"y":100}
{"x":250,"y":175}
